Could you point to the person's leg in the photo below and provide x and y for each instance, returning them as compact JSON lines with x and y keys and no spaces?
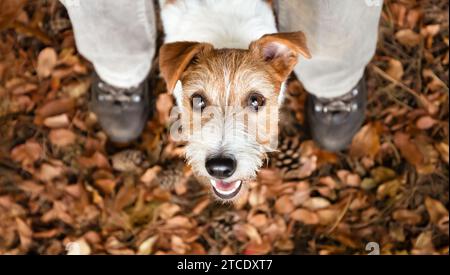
{"x":119,"y":38}
{"x":341,"y":36}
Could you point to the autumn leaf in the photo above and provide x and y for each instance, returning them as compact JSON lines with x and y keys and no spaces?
{"x":47,"y":60}
{"x":408,"y":149}
{"x":366,"y":142}
{"x":9,"y":10}
{"x":395,"y":69}
{"x":408,"y":37}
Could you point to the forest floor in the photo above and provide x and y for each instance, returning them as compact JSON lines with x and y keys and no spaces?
{"x":63,"y":183}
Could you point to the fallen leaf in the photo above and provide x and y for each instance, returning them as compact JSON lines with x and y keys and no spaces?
{"x":178,"y":245}
{"x":59,"y":121}
{"x":257,"y":249}
{"x":408,"y":37}
{"x":409,"y":150}
{"x":27,"y":153}
{"x":407,"y":216}
{"x":25,"y":234}
{"x":56,"y":107}
{"x":443,"y":151}
{"x":9,"y":10}
{"x":78,"y":247}
{"x":48,"y":172}
{"x":395,"y":69}
{"x":305,"y":216}
{"x":436,"y":210}
{"x":366,"y":142}
{"x":47,"y":60}
{"x":284,"y":205}
{"x":96,"y":160}
{"x":150,"y":174}
{"x":146,"y":247}
{"x":316,"y":203}
{"x":62,"y":137}
{"x":425,"y":122}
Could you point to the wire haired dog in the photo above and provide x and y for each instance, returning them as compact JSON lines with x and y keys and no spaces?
{"x":226,"y":66}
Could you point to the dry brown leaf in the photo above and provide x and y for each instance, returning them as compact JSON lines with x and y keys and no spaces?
{"x":327,"y":216}
{"x":47,"y":60}
{"x":424,"y":244}
{"x":395,"y":69}
{"x":408,"y":37}
{"x":389,"y":189}
{"x":25,"y":234}
{"x":59,"y":121}
{"x":258,"y":220}
{"x":257,"y":249}
{"x":407,"y":216}
{"x":305,"y":216}
{"x":366,"y":142}
{"x":284,"y":205}
{"x":9,"y":10}
{"x":78,"y":247}
{"x":56,"y":107}
{"x":443,"y":150}
{"x":150,"y":174}
{"x":146,"y":247}
{"x":62,"y":137}
{"x":316,"y":203}
{"x":106,"y":185}
{"x":168,"y":210}
{"x":178,"y":245}
{"x":96,"y":160}
{"x":27,"y":153}
{"x":202,"y":205}
{"x":48,"y":172}
{"x":425,"y":122}
{"x":164,"y":105}
{"x":179,"y":222}
{"x":436,"y":210}
{"x":408,"y":149}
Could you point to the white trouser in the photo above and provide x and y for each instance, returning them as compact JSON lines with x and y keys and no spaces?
{"x":119,"y":38}
{"x":342,"y":37}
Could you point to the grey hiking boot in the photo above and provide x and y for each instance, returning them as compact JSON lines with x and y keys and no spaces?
{"x":122,"y":113}
{"x":334,"y":121}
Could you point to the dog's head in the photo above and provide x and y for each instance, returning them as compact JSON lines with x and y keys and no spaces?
{"x":229,"y":101}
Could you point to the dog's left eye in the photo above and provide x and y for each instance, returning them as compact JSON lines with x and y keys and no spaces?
{"x":256,"y":101}
{"x":198,"y":102}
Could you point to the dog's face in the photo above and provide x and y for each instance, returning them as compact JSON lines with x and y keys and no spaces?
{"x":229,"y":102}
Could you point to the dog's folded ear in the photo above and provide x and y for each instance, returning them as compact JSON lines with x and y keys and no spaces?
{"x":175,"y":57}
{"x":281,"y":51}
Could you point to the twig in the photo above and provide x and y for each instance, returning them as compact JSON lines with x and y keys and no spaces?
{"x":384,"y":75}
{"x":341,"y":215}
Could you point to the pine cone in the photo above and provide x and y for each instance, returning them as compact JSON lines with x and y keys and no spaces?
{"x":172,"y":172}
{"x":288,"y":157}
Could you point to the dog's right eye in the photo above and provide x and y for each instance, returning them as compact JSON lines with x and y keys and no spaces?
{"x":198,"y":102}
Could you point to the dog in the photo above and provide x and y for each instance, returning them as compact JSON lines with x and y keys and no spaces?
{"x":226,"y":65}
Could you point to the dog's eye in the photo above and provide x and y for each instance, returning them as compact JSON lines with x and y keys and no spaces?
{"x":256,"y":101}
{"x":198,"y":102}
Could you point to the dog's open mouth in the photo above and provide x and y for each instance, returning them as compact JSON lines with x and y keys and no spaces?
{"x":226,"y":190}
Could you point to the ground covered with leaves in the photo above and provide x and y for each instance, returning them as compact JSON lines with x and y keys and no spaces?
{"x":63,"y":183}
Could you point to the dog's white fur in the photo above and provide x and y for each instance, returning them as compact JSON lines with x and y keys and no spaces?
{"x":222,"y":23}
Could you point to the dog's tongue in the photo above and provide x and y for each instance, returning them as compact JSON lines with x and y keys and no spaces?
{"x":225,"y":186}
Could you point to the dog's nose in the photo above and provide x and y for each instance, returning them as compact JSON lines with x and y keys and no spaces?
{"x":221,"y":167}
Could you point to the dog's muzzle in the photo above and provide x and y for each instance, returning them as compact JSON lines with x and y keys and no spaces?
{"x":219,"y":168}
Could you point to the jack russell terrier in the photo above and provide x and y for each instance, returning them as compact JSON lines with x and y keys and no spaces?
{"x":226,"y":66}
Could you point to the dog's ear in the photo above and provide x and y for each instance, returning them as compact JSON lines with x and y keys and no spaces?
{"x":175,"y":57}
{"x":281,"y":51}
